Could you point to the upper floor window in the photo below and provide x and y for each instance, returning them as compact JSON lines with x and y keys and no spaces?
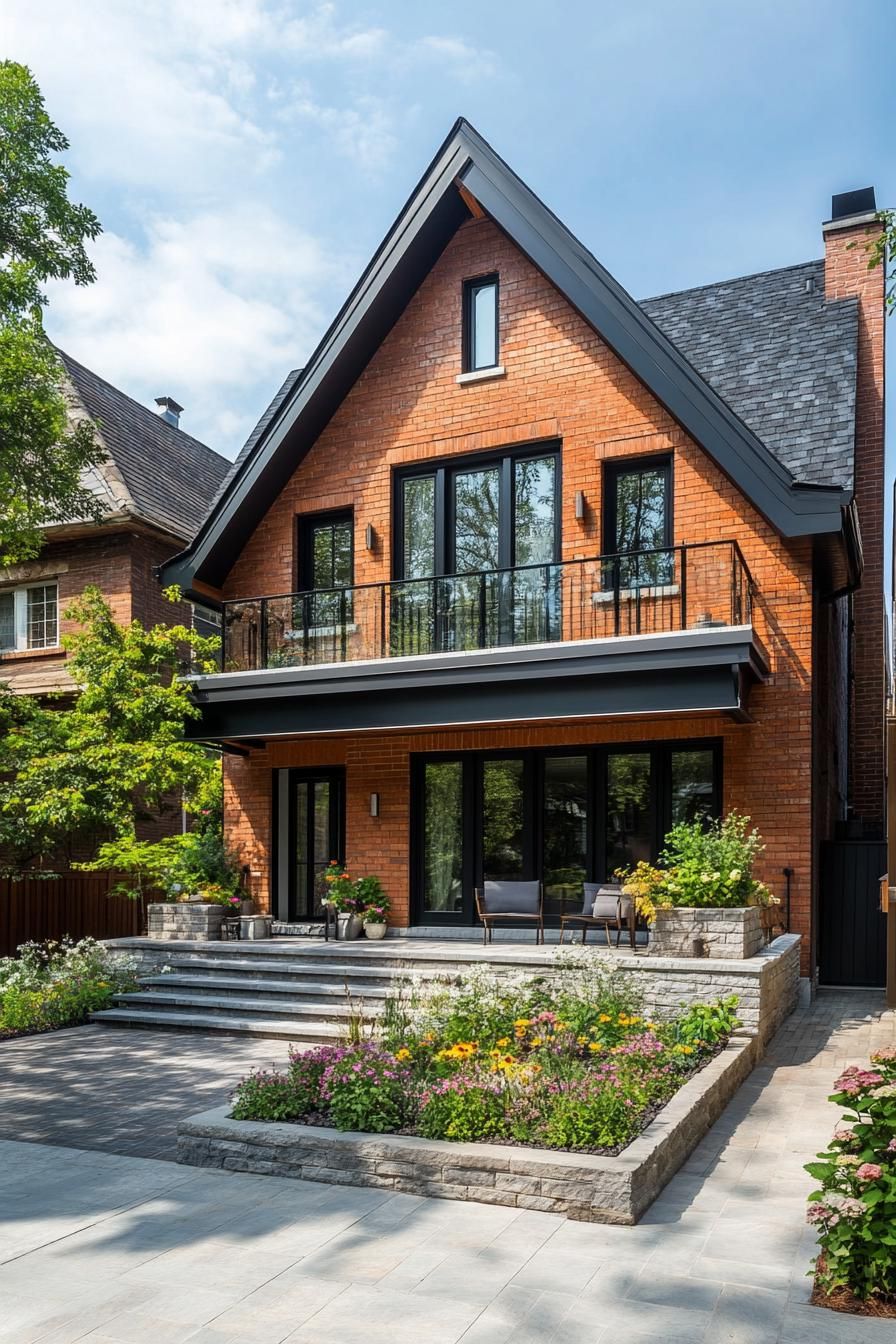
{"x":638,"y":518}
{"x":480,"y":323}
{"x":29,"y":618}
{"x":326,"y":565}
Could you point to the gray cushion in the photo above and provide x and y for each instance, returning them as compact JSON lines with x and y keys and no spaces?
{"x":603,"y":889}
{"x":511,"y":898}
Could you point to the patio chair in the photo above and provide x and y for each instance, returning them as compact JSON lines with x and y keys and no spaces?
{"x":520,"y":902}
{"x":603,"y":906}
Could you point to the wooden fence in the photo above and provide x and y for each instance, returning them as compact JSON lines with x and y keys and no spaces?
{"x":76,"y":905}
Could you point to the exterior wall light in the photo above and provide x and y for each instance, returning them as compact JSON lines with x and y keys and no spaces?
{"x":374,"y":804}
{"x":580,"y":504}
{"x":369,"y":537}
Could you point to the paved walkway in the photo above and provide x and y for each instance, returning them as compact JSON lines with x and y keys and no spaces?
{"x":118,"y":1250}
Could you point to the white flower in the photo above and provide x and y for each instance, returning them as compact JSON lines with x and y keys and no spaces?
{"x":735,"y":875}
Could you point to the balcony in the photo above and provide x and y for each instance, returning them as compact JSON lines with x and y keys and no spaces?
{"x":699,"y":587}
{"x":655,"y":632}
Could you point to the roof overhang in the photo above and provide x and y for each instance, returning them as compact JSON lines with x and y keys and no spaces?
{"x":695,"y":671}
{"x":466,"y":168}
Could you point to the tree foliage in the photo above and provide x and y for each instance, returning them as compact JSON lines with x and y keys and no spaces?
{"x":43,"y":452}
{"x":116,"y":754}
{"x":882,"y":252}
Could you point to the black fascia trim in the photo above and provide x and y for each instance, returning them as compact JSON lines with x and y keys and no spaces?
{"x":432,"y":674}
{"x":428,"y":221}
{"x":682,"y":690}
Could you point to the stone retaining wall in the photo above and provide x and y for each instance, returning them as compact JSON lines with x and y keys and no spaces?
{"x":578,"y":1185}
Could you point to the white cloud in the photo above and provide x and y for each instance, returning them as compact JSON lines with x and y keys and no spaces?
{"x":205,"y":309}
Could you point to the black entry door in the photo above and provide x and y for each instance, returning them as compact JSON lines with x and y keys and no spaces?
{"x":311,"y":832}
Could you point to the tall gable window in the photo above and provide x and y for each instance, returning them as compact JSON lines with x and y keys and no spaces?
{"x":480,"y":324}
{"x":326,"y":566}
{"x":29,"y":618}
{"x":638,"y":519}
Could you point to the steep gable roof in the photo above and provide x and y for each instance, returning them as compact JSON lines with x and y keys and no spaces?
{"x":153,"y":469}
{"x":782,"y":356}
{"x":467,"y":167}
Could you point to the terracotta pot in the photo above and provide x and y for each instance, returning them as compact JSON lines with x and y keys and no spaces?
{"x":375,"y":931}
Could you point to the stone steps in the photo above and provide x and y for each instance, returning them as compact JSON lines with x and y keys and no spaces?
{"x":262,"y":987}
{"x":270,"y":1006}
{"x":312,"y":1033}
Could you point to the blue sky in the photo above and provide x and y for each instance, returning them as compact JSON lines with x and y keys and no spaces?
{"x":247,"y":156}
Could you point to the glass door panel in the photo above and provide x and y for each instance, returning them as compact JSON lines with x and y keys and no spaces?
{"x":565,"y":823}
{"x":503,"y":819}
{"x":536,"y":606}
{"x":443,"y":838}
{"x":693,"y":791}
{"x":316,"y":837}
{"x":413,"y":610}
{"x":629,"y":810}
{"x":473,"y":605}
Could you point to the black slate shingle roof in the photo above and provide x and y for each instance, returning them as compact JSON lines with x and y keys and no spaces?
{"x":171,"y":477}
{"x":781,"y":356}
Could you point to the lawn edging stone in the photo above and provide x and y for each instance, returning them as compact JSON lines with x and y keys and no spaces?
{"x":580,"y":1186}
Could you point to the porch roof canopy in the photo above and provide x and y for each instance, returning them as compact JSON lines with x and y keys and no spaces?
{"x":709,"y":671}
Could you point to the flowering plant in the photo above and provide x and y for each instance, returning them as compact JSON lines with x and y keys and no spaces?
{"x":854,"y":1211}
{"x":703,"y":863}
{"x":373,"y":900}
{"x":56,"y":984}
{"x":341,"y":892}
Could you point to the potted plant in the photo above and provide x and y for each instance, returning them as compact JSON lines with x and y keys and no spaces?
{"x":702,"y":899}
{"x":374,"y":906}
{"x":343,"y":897}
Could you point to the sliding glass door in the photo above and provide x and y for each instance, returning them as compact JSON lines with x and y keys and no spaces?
{"x":562,"y":816}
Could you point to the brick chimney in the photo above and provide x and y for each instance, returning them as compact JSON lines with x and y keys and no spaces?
{"x":847,"y":234}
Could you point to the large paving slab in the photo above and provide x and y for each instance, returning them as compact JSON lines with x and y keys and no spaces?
{"x":117,"y":1249}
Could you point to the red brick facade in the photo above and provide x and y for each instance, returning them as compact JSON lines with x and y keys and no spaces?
{"x":846,"y":273}
{"x":562,"y":383}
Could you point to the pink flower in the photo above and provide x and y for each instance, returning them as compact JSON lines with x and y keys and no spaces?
{"x":891,"y":1146}
{"x":869,"y":1171}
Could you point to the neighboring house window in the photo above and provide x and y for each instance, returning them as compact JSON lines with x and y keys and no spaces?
{"x":326,"y":565}
{"x":29,"y":618}
{"x":480,"y":323}
{"x":638,"y":518}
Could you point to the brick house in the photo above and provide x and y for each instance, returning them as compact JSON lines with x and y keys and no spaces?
{"x":156,"y":483}
{"x":517,"y":571}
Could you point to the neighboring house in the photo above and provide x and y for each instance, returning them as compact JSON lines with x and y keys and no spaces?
{"x":518,"y":571}
{"x":156,"y":484}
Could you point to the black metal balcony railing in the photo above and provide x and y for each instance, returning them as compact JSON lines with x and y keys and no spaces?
{"x":644,"y":592}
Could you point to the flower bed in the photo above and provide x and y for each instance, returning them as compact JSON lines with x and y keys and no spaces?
{"x":855,"y":1209}
{"x":58,"y":984}
{"x":568,"y":1063}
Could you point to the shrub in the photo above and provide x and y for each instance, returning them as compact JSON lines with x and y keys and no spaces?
{"x":706,"y":1024}
{"x":464,"y":1109}
{"x":703,"y":863}
{"x":854,"y":1211}
{"x":595,"y":1111}
{"x":365,"y":1087}
{"x":269,"y":1095}
{"x":58,"y":984}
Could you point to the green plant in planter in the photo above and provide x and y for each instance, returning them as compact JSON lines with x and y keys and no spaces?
{"x":373,"y":901}
{"x":341,"y":889}
{"x":703,"y":864}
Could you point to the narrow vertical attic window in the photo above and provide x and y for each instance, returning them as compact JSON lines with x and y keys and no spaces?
{"x":480,"y":324}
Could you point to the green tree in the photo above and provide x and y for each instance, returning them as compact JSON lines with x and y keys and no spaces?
{"x":42,"y":236}
{"x":116,"y":754}
{"x":882,"y":252}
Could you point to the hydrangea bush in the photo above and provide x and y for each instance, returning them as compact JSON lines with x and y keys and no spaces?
{"x":854,"y":1211}
{"x":567,"y":1061}
{"x":58,"y":984}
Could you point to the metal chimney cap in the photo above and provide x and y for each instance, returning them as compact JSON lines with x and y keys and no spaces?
{"x":849,"y":203}
{"x":168,"y":404}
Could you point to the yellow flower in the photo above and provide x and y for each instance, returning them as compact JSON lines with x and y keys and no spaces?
{"x":651,"y":1026}
{"x":582,"y":1040}
{"x":560,"y":1026}
{"x":503,"y":1040}
{"x":403,"y":1053}
{"x":595,"y":1045}
{"x":536,"y":1040}
{"x":605,"y":1017}
{"x":523,"y":1022}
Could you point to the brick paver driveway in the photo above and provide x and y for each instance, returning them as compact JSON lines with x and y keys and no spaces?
{"x":117,"y":1249}
{"x":119,"y":1091}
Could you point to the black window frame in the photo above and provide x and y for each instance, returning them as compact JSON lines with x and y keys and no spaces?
{"x":597,"y":756}
{"x":470,"y":288}
{"x":628,"y":467}
{"x":306,"y":525}
{"x":443,"y":470}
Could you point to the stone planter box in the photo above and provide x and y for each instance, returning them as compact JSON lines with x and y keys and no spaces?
{"x":190,"y":919}
{"x":726,"y":934}
{"x":577,"y":1185}
{"x":349,"y":926}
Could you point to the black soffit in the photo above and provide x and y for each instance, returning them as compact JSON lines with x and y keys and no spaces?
{"x":423,"y":229}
